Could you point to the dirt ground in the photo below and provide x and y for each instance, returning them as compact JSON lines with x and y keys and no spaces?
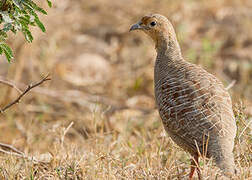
{"x":96,"y":118}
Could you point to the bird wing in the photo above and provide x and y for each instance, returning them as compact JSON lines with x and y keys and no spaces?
{"x":194,"y":106}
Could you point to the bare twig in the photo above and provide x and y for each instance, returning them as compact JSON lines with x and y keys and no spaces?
{"x":10,"y":84}
{"x":9,"y":149}
{"x":29,"y":87}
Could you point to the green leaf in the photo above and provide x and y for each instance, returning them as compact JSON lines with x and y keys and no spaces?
{"x":49,"y":3}
{"x":27,"y":5}
{"x":14,"y":30}
{"x":23,"y":23}
{"x":41,"y":10}
{"x":37,"y":8}
{"x":7,"y":27}
{"x":3,"y":34}
{"x":40,"y":24}
{"x":7,"y":51}
{"x":18,"y":4}
{"x":25,"y":19}
{"x":28,"y":35}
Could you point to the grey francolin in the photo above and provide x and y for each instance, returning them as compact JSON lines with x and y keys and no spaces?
{"x":195,"y":108}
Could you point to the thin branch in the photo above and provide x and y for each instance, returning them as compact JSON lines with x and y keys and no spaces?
{"x":10,"y":147}
{"x":10,"y":84}
{"x":10,"y":150}
{"x":29,"y":87}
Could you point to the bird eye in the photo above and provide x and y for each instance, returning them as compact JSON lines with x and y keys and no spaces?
{"x":153,"y":23}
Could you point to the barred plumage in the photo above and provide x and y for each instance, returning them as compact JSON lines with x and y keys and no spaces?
{"x":195,"y":108}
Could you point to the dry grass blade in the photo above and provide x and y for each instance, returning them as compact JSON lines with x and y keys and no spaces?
{"x":244,"y":129}
{"x":64,"y":133}
{"x":231,"y":85}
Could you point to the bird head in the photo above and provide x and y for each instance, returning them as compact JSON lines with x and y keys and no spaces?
{"x":158,"y":27}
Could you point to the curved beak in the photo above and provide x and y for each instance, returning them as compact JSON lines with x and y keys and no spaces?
{"x":136,"y":26}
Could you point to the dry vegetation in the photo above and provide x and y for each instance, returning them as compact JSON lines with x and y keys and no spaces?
{"x":96,"y":118}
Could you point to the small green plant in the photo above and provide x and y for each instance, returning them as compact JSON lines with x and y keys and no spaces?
{"x":18,"y":15}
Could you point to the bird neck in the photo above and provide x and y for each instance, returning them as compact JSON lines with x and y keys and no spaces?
{"x":169,"y":59}
{"x":168,"y":47}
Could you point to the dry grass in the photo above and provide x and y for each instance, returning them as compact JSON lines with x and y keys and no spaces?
{"x":116,"y":131}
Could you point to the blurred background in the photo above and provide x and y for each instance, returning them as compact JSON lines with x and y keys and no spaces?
{"x":102,"y":77}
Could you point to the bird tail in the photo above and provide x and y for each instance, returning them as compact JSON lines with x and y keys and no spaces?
{"x":222,"y":153}
{"x":226,"y":164}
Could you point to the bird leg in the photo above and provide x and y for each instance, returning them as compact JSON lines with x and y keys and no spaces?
{"x":195,"y":164}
